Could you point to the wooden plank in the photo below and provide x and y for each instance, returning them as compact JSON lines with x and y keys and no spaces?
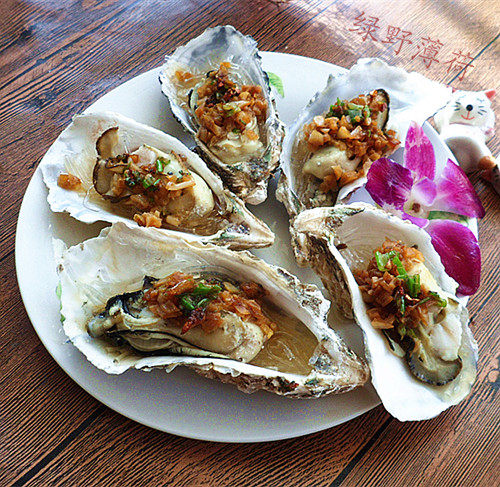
{"x":115,"y":450}
{"x":41,"y":405}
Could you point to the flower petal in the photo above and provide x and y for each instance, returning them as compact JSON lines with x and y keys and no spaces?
{"x":455,"y":193}
{"x":389,"y":183}
{"x":424,"y":192}
{"x":419,"y":154}
{"x":420,"y":222}
{"x":459,"y":252}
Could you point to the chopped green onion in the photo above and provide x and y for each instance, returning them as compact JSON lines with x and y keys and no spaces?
{"x":186,"y":303}
{"x":422,"y":301}
{"x":132,"y":178}
{"x":203,"y":302}
{"x":150,"y":183}
{"x":413,"y":283}
{"x":201,"y":295}
{"x":180,"y":175}
{"x":383,"y":259}
{"x":231,"y":108}
{"x":160,"y":164}
{"x":236,"y":131}
{"x":203,"y":289}
{"x":353,"y":113}
{"x":400,"y":300}
{"x":439,"y":300}
{"x":401,"y":331}
{"x":399,"y":266}
{"x":410,"y":332}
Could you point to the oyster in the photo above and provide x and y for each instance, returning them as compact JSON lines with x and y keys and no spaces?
{"x":361,"y":115}
{"x":136,"y":174}
{"x":420,"y":349}
{"x":220,"y":94}
{"x":120,"y":320}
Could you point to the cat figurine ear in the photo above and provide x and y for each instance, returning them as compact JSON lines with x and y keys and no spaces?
{"x":465,"y":124}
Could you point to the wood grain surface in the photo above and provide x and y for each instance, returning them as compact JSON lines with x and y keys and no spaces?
{"x":57,"y":57}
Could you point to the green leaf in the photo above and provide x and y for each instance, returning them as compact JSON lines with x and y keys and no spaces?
{"x":447,"y":215}
{"x":277,"y":82}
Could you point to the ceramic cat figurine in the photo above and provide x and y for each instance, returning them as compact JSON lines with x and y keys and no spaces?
{"x":465,"y":124}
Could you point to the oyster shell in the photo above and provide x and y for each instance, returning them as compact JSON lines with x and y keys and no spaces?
{"x":441,"y":359}
{"x":410,"y":96}
{"x":90,"y":275}
{"x":245,"y":164}
{"x":92,"y":149}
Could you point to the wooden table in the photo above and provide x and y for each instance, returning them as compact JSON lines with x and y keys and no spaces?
{"x":56,"y":58}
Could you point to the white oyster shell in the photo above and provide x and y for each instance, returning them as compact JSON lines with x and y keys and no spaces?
{"x":247,"y":179}
{"x":75,"y":152}
{"x":412,"y":97}
{"x":335,"y":241}
{"x":116,"y":262}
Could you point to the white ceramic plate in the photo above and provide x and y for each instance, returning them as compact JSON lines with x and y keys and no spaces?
{"x":182,"y":402}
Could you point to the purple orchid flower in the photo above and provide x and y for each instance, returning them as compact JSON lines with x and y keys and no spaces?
{"x":416,"y":187}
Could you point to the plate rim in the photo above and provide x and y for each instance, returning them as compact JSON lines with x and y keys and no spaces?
{"x":170,"y":428}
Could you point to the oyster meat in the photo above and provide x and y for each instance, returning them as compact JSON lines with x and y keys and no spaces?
{"x":360,"y":116}
{"x":225,"y":314}
{"x":218,"y":91}
{"x":136,"y":174}
{"x":385,"y":272}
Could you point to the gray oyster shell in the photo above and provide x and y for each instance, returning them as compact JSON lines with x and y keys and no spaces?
{"x":412,"y":97}
{"x":248,"y":179}
{"x":335,"y":241}
{"x":75,"y":152}
{"x":89,"y":276}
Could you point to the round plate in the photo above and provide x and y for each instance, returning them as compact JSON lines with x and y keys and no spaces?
{"x":182,"y":402}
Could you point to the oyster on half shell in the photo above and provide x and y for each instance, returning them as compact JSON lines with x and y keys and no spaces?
{"x":220,"y":94}
{"x":110,"y":319}
{"x":136,"y":174}
{"x":421,"y":352}
{"x":360,"y":115}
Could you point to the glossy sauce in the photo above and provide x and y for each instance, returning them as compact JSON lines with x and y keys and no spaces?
{"x":290,"y":347}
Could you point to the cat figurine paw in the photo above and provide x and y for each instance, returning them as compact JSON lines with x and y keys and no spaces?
{"x":465,"y":124}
